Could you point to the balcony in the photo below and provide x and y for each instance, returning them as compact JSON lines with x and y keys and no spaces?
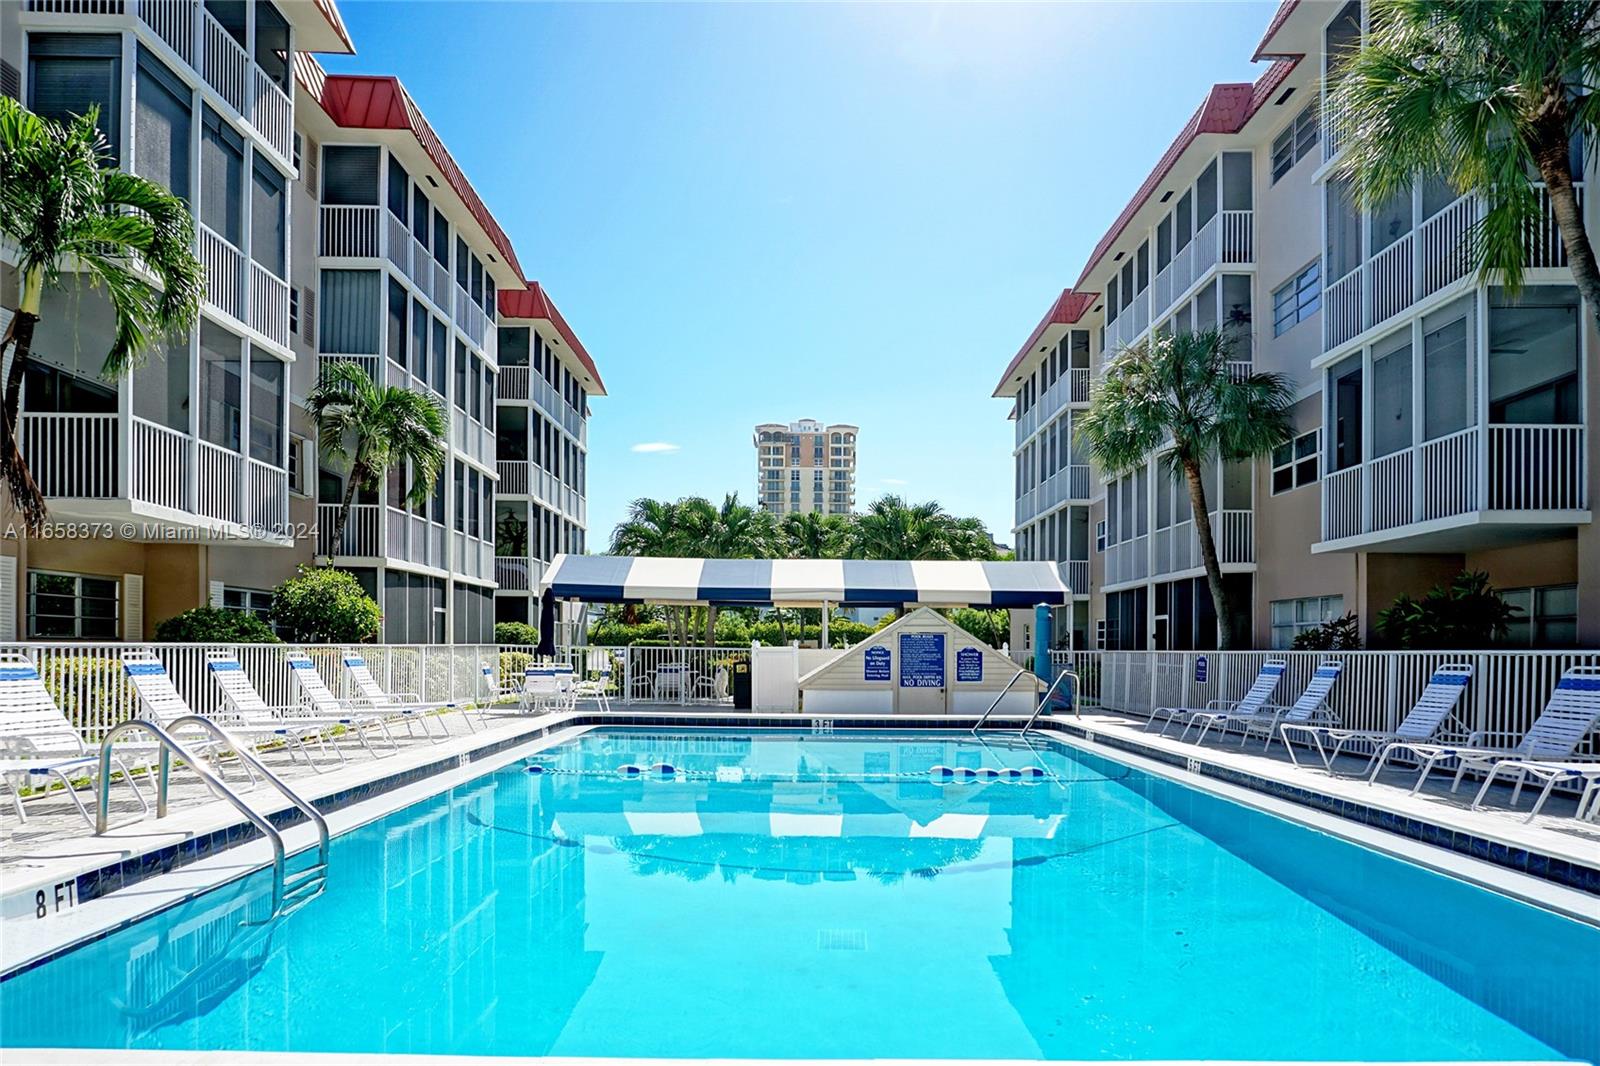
{"x":1069,"y":483}
{"x":202,"y":44}
{"x":517,"y":573}
{"x":245,"y":291}
{"x":1071,"y":388}
{"x":1228,"y":237}
{"x":190,"y":487}
{"x":1177,"y":548}
{"x":1422,"y":262}
{"x":1479,"y":487}
{"x":1075,"y":572}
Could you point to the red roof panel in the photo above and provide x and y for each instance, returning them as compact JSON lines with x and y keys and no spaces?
{"x":534,"y":302}
{"x":1068,"y":308}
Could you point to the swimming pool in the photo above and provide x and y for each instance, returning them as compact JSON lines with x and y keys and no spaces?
{"x":787,"y":895}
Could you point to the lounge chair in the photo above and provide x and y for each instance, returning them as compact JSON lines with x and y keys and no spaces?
{"x":37,"y":740}
{"x":1433,"y":709}
{"x":1312,"y":707}
{"x":1572,"y":711}
{"x":250,"y":711}
{"x":371,"y":694}
{"x":162,"y":704}
{"x":1552,"y":774}
{"x":1260,"y":692}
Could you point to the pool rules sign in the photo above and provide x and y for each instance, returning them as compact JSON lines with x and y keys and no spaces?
{"x":922,"y":660}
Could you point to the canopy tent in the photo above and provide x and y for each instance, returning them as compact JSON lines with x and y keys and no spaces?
{"x":801,"y":582}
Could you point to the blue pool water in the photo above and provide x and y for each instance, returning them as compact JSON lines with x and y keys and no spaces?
{"x":823,"y":896}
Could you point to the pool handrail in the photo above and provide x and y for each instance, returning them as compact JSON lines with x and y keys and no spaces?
{"x":985,"y":716}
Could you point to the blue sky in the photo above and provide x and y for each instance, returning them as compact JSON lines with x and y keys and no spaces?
{"x":764,"y":212}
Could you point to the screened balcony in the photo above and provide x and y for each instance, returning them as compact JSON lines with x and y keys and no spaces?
{"x":1434,"y":445}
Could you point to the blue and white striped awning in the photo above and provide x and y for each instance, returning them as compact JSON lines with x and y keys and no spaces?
{"x":805,"y":582}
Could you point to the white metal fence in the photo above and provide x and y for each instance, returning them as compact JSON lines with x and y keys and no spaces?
{"x":1376,"y":689}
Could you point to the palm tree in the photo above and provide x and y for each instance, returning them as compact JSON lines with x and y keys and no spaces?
{"x":651,"y":528}
{"x":732,"y":531}
{"x":814,"y":535}
{"x":1176,"y":387}
{"x":375,"y":427}
{"x":1491,"y":96}
{"x":894,"y":529}
{"x":70,"y":214}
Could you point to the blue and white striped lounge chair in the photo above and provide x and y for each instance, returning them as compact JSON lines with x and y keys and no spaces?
{"x":1552,"y":774}
{"x":371,"y":694}
{"x":1435,"y":707}
{"x":1261,"y":690}
{"x":251,"y":711}
{"x":163,"y":704}
{"x":1568,"y":717}
{"x":1311,"y":708}
{"x":36,"y":740}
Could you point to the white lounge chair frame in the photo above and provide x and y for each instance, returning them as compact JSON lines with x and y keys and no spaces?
{"x":253,"y":712}
{"x":1552,"y":774}
{"x":1435,"y":707}
{"x":1572,"y":711}
{"x":1311,"y":707}
{"x":371,"y":694}
{"x":1261,"y":690}
{"x":37,"y":740}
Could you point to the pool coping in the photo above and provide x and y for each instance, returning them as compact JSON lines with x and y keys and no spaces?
{"x":98,"y":1056}
{"x":246,"y":849}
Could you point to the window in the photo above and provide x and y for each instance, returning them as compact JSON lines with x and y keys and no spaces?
{"x":1293,"y":617}
{"x":399,"y":189}
{"x":272,"y":45}
{"x":350,"y":175}
{"x":220,"y":371}
{"x":1297,"y":138}
{"x":162,"y":120}
{"x":1391,"y":394}
{"x":68,"y":73}
{"x":266,"y":408}
{"x":299,"y":467}
{"x":294,"y":310}
{"x":222,"y":178}
{"x":350,"y":310}
{"x":1533,"y":356}
{"x":248,"y":601}
{"x":1548,"y":617}
{"x":72,"y":605}
{"x":1100,"y":538}
{"x":55,"y":391}
{"x":161,"y":387}
{"x":1448,"y":390}
{"x":1294,"y":464}
{"x":268,"y":239}
{"x":397,"y":322}
{"x":1100,"y":634}
{"x":1297,"y":299}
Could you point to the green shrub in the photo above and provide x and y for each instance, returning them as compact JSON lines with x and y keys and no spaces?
{"x":1467,"y":613}
{"x":93,"y":693}
{"x":993,"y":627}
{"x":516,"y":633}
{"x":214,"y":625}
{"x":325,"y":605}
{"x":1340,"y":634}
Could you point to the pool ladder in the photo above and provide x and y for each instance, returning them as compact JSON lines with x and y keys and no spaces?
{"x":288,"y":894}
{"x":1062,"y":676}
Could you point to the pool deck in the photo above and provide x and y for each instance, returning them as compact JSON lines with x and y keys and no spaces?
{"x":58,"y":1057}
{"x":93,"y":884}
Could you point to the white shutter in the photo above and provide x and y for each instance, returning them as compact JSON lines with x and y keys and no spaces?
{"x":133,"y":607}
{"x":216,"y":594}
{"x":8,"y":597}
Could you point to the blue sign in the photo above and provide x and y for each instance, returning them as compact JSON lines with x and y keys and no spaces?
{"x":1201,"y":664}
{"x":876,"y":664}
{"x":922,"y":660}
{"x":969,"y":665}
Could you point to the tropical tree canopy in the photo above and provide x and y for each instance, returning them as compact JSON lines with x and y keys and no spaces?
{"x":75,"y":219}
{"x":1491,"y":97}
{"x":1179,"y":388}
{"x":373,"y":427}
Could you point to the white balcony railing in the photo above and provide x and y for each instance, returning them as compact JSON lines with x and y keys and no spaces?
{"x":269,"y":304}
{"x":72,"y":456}
{"x":351,"y":231}
{"x":224,"y":266}
{"x":227,"y":65}
{"x":268,"y":497}
{"x":1521,"y":468}
{"x":161,"y":465}
{"x":360,"y":538}
{"x":221,"y":476}
{"x":513,"y":383}
{"x":513,"y":477}
{"x":274,"y":114}
{"x":172,"y":21}
{"x":470,"y":317}
{"x":1238,"y":237}
{"x":511,"y":572}
{"x":1075,"y":573}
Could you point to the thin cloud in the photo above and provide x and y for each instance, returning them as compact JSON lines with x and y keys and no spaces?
{"x":654,"y":447}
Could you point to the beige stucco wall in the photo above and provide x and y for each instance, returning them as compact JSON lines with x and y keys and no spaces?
{"x":1288,"y":236}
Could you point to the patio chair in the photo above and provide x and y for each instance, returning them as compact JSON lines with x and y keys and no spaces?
{"x":370,"y":693}
{"x":37,"y":740}
{"x":670,"y":681}
{"x":1433,"y":709}
{"x":1572,"y":711}
{"x":542,"y":689}
{"x":162,"y":704}
{"x":251,"y":711}
{"x":598,"y":687}
{"x":498,"y":692}
{"x":1312,"y":707}
{"x":1261,"y":690}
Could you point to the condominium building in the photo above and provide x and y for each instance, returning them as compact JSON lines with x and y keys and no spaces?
{"x":806,"y":466}
{"x":1440,"y":422}
{"x":333,"y":225}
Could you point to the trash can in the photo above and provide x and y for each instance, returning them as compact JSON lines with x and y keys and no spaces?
{"x":741,"y":685}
